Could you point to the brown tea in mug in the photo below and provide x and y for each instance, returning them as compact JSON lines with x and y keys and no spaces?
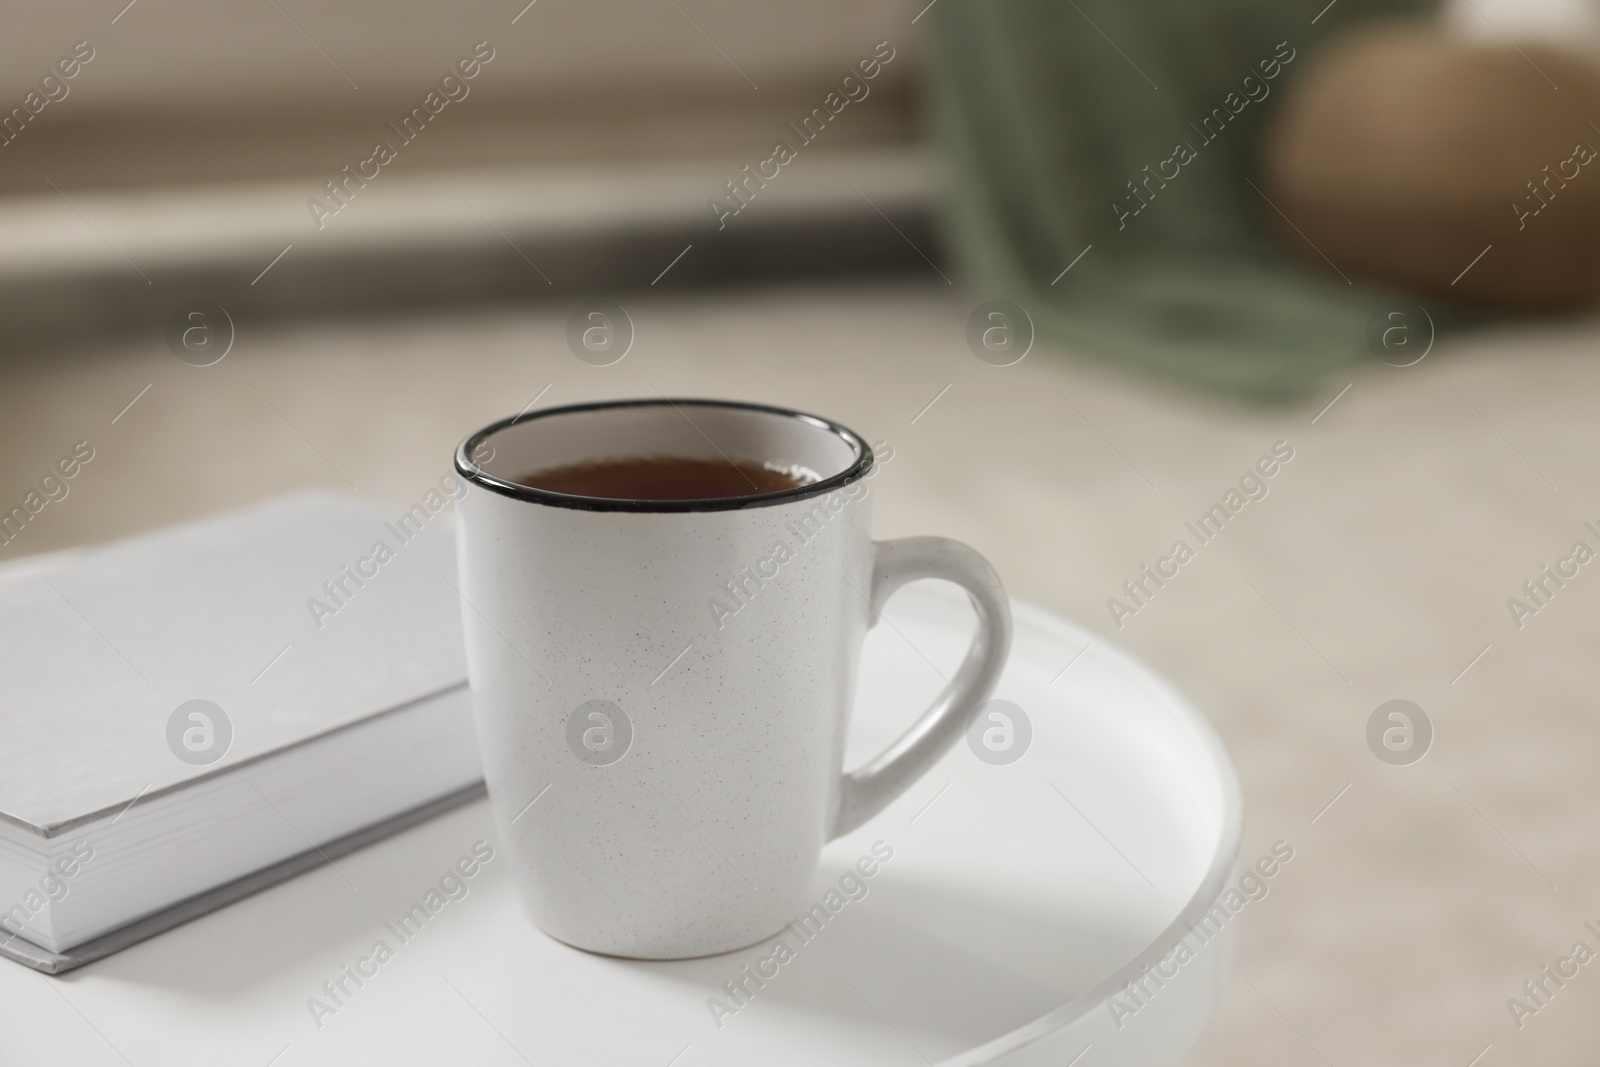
{"x":667,"y":478}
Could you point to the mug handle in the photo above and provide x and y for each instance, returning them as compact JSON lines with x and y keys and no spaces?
{"x":868,"y":790}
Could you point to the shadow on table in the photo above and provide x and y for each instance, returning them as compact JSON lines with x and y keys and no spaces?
{"x":950,"y":965}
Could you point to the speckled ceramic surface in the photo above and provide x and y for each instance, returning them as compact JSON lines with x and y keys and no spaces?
{"x":662,"y":695}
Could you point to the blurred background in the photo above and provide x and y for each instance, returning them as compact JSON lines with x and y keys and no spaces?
{"x":1383,"y":252}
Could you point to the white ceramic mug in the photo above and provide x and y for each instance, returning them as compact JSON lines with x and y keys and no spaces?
{"x":662,"y":687}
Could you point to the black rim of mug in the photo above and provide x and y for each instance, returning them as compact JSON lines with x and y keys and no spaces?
{"x":475,"y":474}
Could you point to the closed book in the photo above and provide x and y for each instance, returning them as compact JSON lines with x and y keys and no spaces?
{"x":196,"y":712}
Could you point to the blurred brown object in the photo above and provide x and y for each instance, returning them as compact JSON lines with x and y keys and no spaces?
{"x":1403,"y":154}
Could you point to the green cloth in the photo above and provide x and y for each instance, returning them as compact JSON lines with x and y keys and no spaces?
{"x":1048,"y":109}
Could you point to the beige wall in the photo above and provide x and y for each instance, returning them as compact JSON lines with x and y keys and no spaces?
{"x":191,"y":55}
{"x":185,"y":93}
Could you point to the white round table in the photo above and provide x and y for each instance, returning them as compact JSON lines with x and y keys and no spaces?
{"x":1020,"y":900}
